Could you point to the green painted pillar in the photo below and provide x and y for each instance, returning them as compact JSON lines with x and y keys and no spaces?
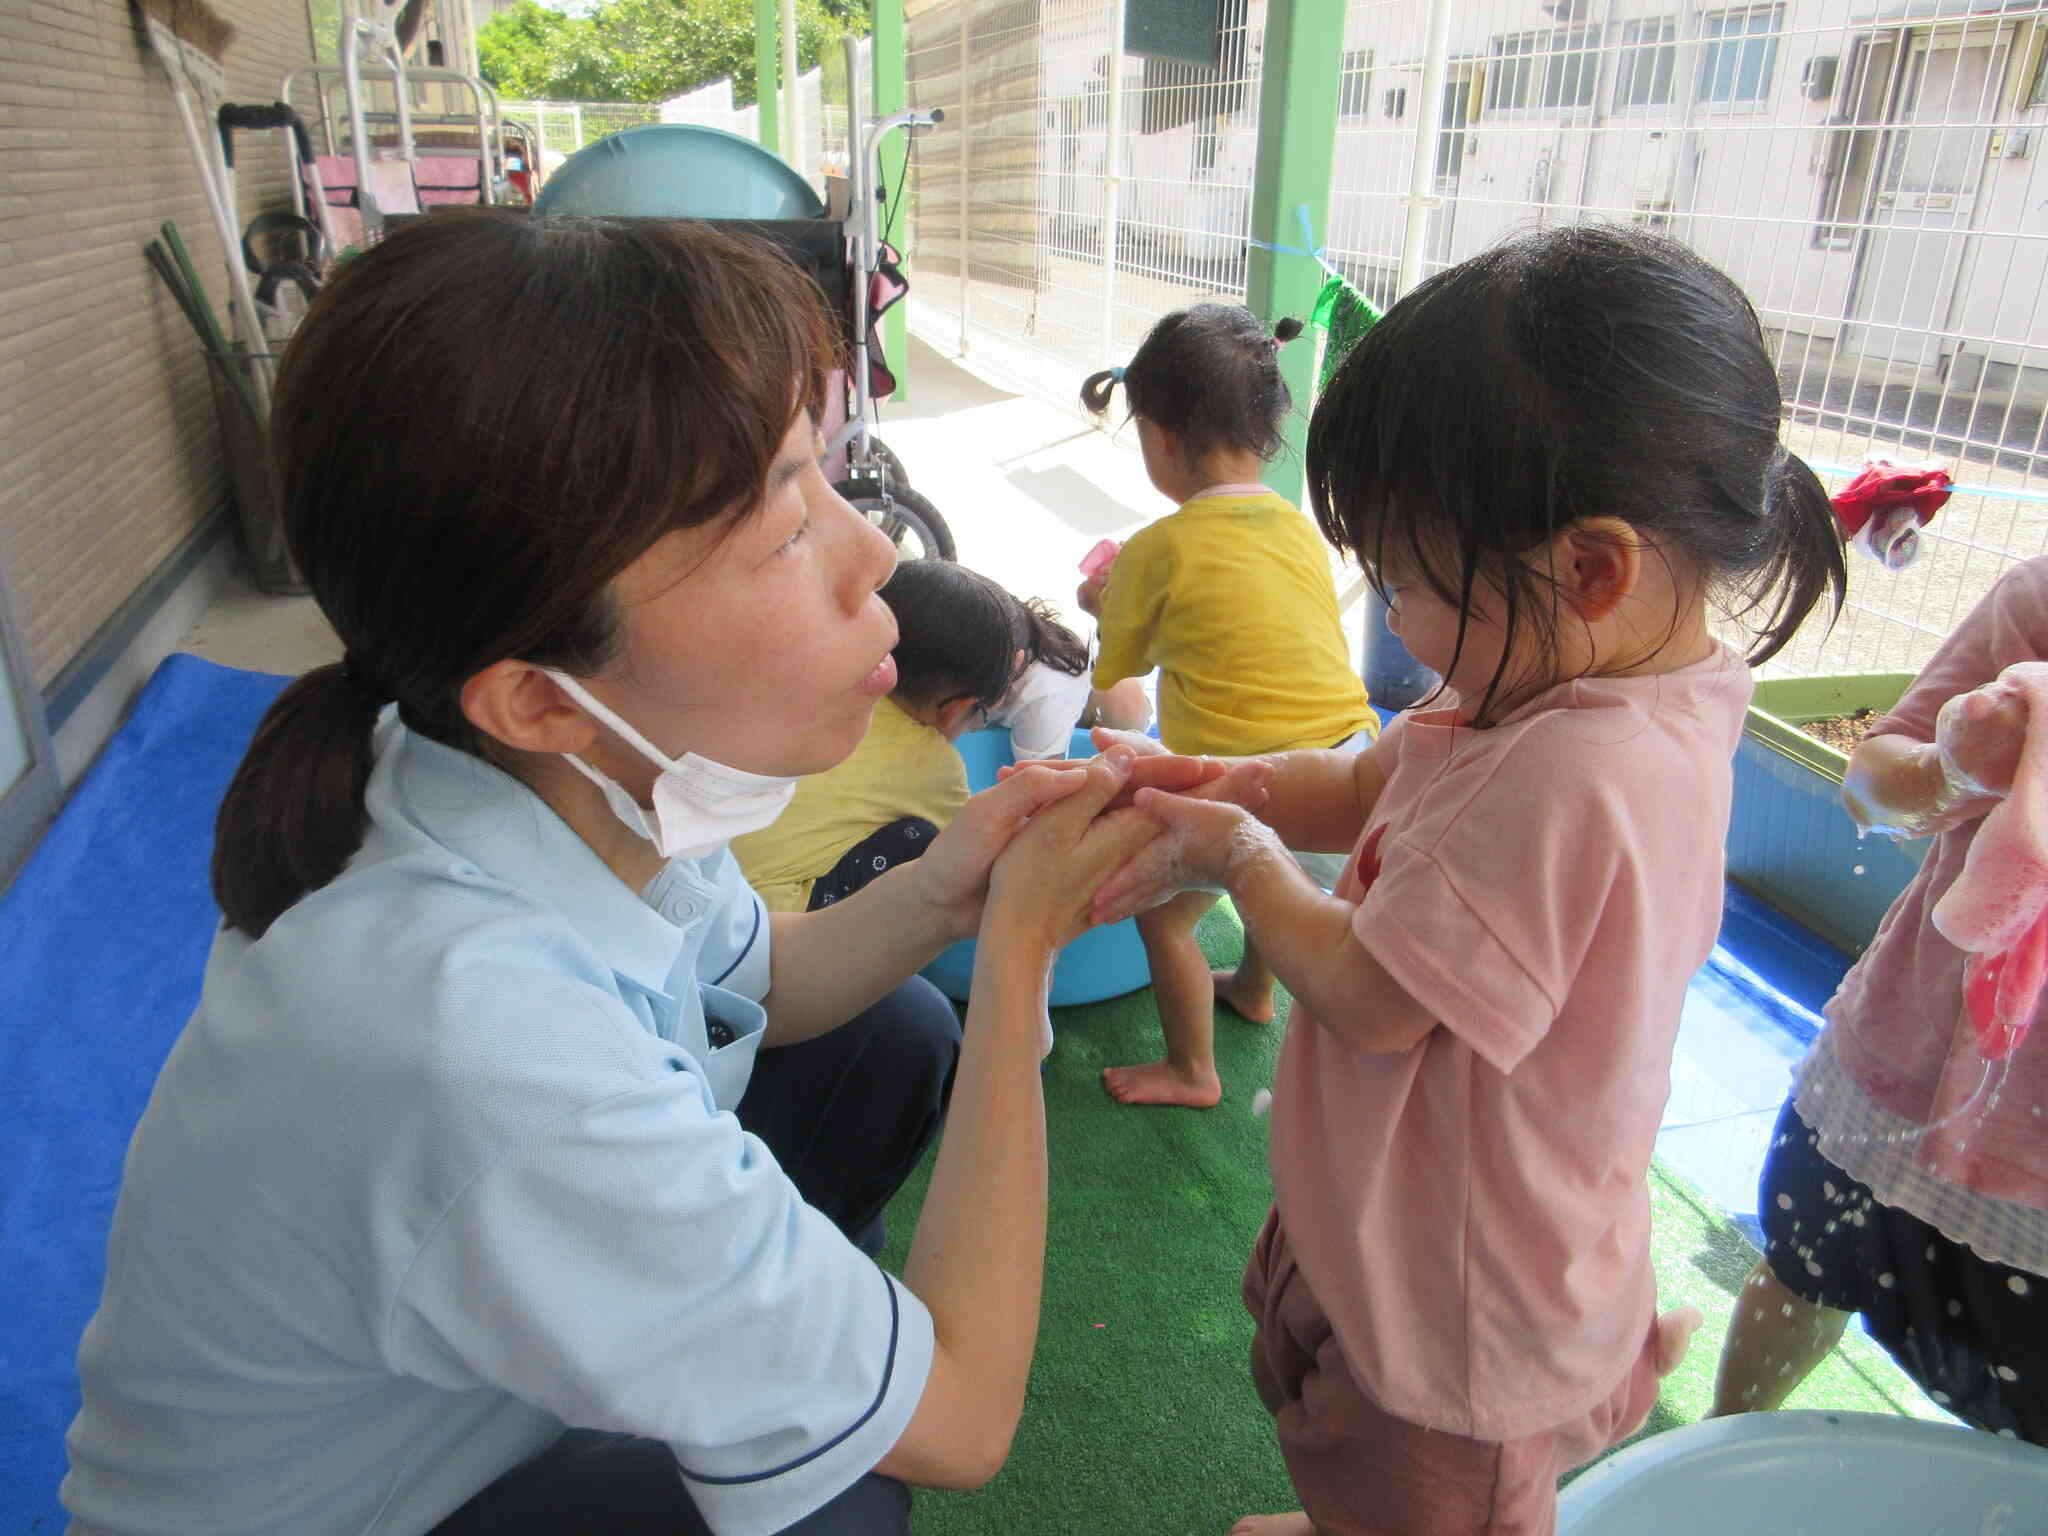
{"x":767,"y":70}
{"x":1297,"y":142}
{"x":886,"y":51}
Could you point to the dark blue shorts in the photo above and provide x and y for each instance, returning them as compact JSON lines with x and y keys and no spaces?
{"x":1973,"y":1334}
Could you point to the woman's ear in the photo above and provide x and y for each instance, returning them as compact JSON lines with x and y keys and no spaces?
{"x":516,"y":703}
{"x":1596,"y":562}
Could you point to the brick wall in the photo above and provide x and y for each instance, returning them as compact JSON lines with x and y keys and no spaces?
{"x":109,"y":454}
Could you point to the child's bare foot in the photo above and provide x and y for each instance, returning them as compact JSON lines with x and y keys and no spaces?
{"x":1295,"y":1524}
{"x":1159,"y":1082}
{"x":1674,"y":1333}
{"x":1253,"y":1002}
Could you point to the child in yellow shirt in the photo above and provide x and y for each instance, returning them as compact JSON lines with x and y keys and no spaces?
{"x":962,"y":642}
{"x":1230,"y":597}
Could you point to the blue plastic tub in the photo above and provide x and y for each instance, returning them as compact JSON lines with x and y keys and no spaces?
{"x":1814,"y":1474}
{"x":1103,"y":962}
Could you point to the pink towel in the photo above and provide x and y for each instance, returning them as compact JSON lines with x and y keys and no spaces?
{"x":1997,"y":908}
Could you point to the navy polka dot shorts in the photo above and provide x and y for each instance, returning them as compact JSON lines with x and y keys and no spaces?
{"x":1973,"y":1334}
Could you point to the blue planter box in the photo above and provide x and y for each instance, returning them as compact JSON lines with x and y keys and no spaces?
{"x":1789,"y":840}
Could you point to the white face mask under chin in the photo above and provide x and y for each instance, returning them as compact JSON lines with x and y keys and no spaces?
{"x":699,"y":805}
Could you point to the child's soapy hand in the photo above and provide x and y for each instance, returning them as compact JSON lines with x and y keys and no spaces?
{"x":1242,"y":781}
{"x":1980,"y":734}
{"x":1208,"y":836}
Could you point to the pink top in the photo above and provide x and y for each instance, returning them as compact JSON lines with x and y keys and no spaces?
{"x":1473,"y":1214}
{"x":1897,"y":1026}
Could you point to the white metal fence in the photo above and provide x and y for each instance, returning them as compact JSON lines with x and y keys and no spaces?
{"x":561,"y":128}
{"x":1866,"y":169}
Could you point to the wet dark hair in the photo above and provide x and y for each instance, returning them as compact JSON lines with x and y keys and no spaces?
{"x":482,"y":420}
{"x":1210,"y":375}
{"x":1589,"y":371}
{"x":958,"y":634}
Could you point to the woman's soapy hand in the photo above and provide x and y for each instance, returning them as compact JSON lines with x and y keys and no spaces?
{"x":1088,"y":596}
{"x":1042,"y":888}
{"x":1208,"y":838}
{"x":953,"y":875}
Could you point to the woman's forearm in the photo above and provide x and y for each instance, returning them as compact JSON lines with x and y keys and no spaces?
{"x":829,"y":965}
{"x":978,"y":1259}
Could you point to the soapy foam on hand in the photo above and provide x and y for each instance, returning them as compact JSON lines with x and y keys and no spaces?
{"x":1997,"y":908}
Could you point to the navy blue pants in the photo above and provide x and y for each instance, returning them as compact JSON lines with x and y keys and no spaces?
{"x":1972,"y":1333}
{"x":847,"y":1115}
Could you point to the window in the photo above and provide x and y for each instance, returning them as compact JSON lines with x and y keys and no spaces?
{"x":1354,"y":84}
{"x":1737,"y":50}
{"x":1395,"y":102}
{"x":2038,"y":96}
{"x":1542,"y":69}
{"x":1645,"y":63}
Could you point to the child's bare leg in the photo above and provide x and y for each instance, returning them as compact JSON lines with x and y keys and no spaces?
{"x":1295,"y":1524}
{"x":1248,"y":989}
{"x":1187,"y":1012}
{"x":1774,"y":1342}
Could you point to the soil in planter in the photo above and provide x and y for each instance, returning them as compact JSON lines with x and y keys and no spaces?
{"x":1843,"y":732}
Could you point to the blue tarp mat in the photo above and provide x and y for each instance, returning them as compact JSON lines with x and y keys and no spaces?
{"x":103,"y":940}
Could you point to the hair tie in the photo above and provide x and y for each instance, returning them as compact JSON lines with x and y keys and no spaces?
{"x":1116,"y":375}
{"x":1278,"y":342}
{"x":362,"y":681}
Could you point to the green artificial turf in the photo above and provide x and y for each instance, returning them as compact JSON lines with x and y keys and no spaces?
{"x":1141,"y":1415}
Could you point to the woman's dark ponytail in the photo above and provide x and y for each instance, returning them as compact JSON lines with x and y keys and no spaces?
{"x":1098,"y":387}
{"x":293,"y":816}
{"x":1805,"y":560}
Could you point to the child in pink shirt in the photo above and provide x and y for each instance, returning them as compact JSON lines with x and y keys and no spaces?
{"x":1908,"y":1179}
{"x":1547,"y":458}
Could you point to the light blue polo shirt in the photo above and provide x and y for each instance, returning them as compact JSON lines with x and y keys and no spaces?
{"x":444,"y":1163}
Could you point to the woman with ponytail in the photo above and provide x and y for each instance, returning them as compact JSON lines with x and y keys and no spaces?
{"x":518,"y":1172}
{"x":1230,"y":597}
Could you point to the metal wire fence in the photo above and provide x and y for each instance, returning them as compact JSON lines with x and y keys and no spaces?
{"x":1867,"y":172}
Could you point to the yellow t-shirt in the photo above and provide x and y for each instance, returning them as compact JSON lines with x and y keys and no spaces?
{"x":1231,"y":598}
{"x":902,"y":767}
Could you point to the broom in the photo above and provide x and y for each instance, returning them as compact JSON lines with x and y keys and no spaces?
{"x":190,"y":40}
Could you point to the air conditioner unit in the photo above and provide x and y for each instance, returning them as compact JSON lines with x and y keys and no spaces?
{"x":1565,"y":10}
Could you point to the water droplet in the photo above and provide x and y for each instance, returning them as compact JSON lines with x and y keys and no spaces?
{"x":1939,"y":1397}
{"x":1955,"y":1309}
{"x":2007,"y":1373}
{"x":1887,"y":1280}
{"x":2017,"y":1284}
{"x":1785,"y":1310}
{"x":1857,"y":870}
{"x":1813,"y":1269}
{"x":1784,"y":1202}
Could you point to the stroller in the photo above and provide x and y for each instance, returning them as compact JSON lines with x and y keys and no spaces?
{"x":683,"y":171}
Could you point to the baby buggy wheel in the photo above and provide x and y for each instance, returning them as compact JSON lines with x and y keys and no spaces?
{"x":912,"y":523}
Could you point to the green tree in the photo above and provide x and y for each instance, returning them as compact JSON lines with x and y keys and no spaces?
{"x":644,"y":50}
